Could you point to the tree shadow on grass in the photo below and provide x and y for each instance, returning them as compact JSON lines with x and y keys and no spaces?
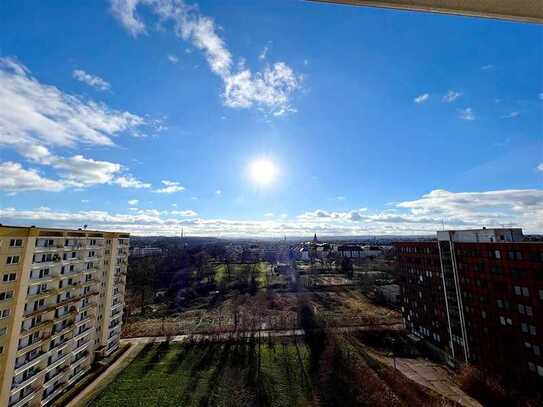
{"x":159,"y":352}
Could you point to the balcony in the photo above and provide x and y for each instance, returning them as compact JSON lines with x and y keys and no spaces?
{"x":50,"y":396}
{"x":81,"y":347}
{"x":75,"y":377}
{"x":59,"y":373}
{"x":83,"y":333}
{"x":41,"y":294}
{"x":27,"y":396}
{"x":33,"y":361}
{"x":17,"y":385}
{"x":58,"y":362}
{"x":48,"y":248}
{"x":35,"y":326}
{"x":60,"y":345}
{"x":36,"y":311}
{"x":29,"y":346}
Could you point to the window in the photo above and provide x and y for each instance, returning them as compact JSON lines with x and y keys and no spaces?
{"x":521,"y":308}
{"x":540,"y":370}
{"x":525,"y":292}
{"x":531,"y":366}
{"x":4,"y":313}
{"x":529,"y":311}
{"x":536,"y":350}
{"x":12,"y":260}
{"x":502,"y":320}
{"x":3,"y":331}
{"x":6,"y":295}
{"x":515,"y":255}
{"x":497,"y":254}
{"x":8,"y":277}
{"x":15,"y":243}
{"x":524,"y":327}
{"x":533,"y":331}
{"x":517,"y":290}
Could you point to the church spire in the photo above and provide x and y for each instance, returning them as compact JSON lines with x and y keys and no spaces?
{"x":315,"y":240}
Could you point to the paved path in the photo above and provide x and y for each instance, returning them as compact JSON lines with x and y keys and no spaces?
{"x":110,"y":373}
{"x":218,"y":337}
{"x":431,"y":375}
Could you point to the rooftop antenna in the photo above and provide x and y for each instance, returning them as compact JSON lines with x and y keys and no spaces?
{"x":443,"y":224}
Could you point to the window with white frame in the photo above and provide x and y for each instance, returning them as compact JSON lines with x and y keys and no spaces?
{"x":12,"y":260}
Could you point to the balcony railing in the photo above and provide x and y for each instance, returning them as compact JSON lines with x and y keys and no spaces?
{"x":17,"y":384}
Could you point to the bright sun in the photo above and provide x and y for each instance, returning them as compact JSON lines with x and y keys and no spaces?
{"x":262,"y":171}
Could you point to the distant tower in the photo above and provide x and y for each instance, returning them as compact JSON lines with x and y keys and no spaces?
{"x":315,"y":240}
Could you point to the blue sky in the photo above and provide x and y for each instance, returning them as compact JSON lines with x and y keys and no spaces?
{"x":146,"y":115}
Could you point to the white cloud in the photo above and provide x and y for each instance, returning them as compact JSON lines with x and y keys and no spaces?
{"x":511,"y":115}
{"x":540,"y":167}
{"x":218,"y":192}
{"x":541,"y":96}
{"x":263,"y":54}
{"x":185,"y":214}
{"x":421,"y":98}
{"x":487,"y":67}
{"x":124,"y":10}
{"x":457,"y":210}
{"x":466,"y":114}
{"x":15,"y":178}
{"x":268,"y":215}
{"x":340,"y":198}
{"x":85,"y":201}
{"x":128,"y":181}
{"x":451,"y":96}
{"x":78,"y":171}
{"x":133,"y":202}
{"x":173,"y":59}
{"x":270,"y":90}
{"x":170,"y":187}
{"x":91,"y":80}
{"x":34,"y":113}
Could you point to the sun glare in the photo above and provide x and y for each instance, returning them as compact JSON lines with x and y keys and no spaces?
{"x":262,"y":171}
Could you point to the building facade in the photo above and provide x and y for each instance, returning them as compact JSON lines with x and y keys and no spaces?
{"x":61,"y":304}
{"x":477,"y":296}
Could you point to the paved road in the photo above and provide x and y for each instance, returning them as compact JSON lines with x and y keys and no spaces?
{"x":218,"y":337}
{"x":430,"y":375}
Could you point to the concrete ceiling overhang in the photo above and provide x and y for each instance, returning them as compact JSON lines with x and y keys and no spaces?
{"x":529,"y":11}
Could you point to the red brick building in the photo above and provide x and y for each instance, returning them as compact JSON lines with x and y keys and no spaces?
{"x":478,"y":297}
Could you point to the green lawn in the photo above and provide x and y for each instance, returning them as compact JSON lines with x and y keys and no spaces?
{"x":215,"y":374}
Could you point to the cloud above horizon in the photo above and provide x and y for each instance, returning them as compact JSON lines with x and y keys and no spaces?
{"x":269,"y":90}
{"x":35,"y":117}
{"x":425,"y":215}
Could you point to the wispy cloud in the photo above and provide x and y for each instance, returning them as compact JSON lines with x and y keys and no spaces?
{"x":173,"y":59}
{"x":421,"y":98}
{"x":263,"y":54}
{"x":466,"y":114}
{"x":451,"y":96}
{"x":487,"y":67}
{"x":133,"y":202}
{"x":35,"y":113}
{"x":540,"y":167}
{"x":91,"y":80}
{"x":270,"y":90}
{"x":218,"y":192}
{"x":170,"y":187}
{"x":511,"y":115}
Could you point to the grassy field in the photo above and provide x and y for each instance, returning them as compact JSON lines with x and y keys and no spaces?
{"x":215,"y":374}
